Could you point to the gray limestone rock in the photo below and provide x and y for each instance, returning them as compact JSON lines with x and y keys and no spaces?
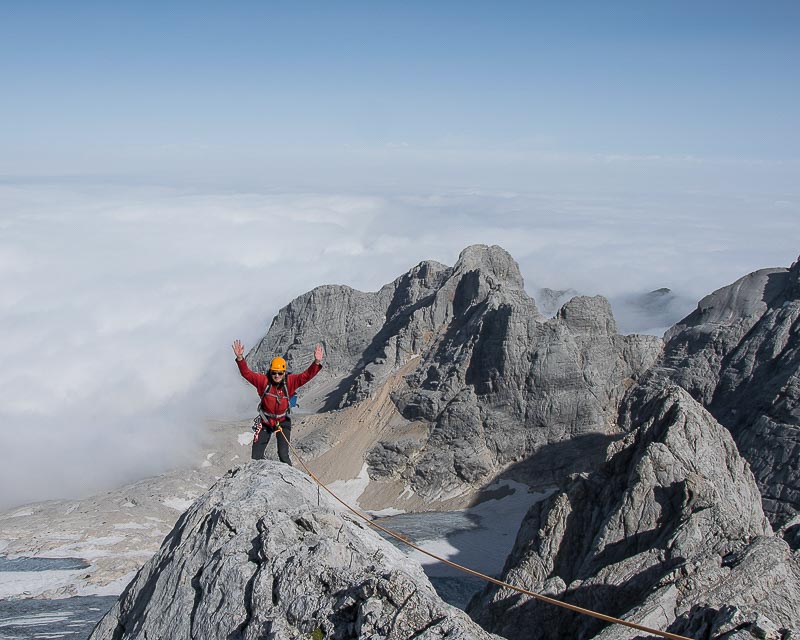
{"x":262,"y":555}
{"x":503,"y":385}
{"x":668,"y":533}
{"x":495,"y":380}
{"x":365,"y":335}
{"x":739,"y":354}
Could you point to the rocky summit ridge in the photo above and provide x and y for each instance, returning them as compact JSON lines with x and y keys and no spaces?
{"x":263,"y":555}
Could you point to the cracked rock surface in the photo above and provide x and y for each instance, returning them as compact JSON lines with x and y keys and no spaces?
{"x":493,"y":381}
{"x":738,"y":354}
{"x":669,"y":533}
{"x":258,"y":557}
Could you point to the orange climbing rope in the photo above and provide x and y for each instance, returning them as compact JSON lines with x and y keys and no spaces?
{"x":537,"y":596}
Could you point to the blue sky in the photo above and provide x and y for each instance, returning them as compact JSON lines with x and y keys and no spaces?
{"x":173,"y":173}
{"x":194,"y":87}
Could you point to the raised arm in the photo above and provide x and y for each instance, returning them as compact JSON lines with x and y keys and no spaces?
{"x":238,"y":350}
{"x":295,"y":381}
{"x":258,"y":380}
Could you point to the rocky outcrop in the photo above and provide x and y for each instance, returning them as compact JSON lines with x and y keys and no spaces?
{"x":502,"y":385}
{"x":263,"y":555}
{"x":739,"y":354}
{"x":495,"y":381}
{"x":652,"y":312}
{"x":352,"y":325}
{"x":669,"y":533}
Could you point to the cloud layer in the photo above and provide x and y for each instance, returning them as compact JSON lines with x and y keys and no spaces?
{"x":120,"y":303}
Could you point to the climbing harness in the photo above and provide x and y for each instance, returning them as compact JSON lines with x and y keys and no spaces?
{"x":264,"y":419}
{"x":532,"y":594}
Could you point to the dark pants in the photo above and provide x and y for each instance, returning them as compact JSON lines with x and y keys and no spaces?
{"x":259,"y":450}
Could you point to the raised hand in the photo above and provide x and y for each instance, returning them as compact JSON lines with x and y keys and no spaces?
{"x":319,"y":354}
{"x":238,"y":349}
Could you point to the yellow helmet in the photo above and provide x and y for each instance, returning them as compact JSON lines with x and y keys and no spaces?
{"x":277,"y":364}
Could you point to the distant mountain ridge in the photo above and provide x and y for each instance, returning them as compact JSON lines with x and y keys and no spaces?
{"x":492,"y":380}
{"x":496,"y":382}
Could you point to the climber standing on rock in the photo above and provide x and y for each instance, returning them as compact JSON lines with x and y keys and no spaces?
{"x":276,"y":389}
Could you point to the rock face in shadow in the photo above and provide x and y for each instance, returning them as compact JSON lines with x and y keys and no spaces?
{"x":257,"y":557}
{"x":495,"y":381}
{"x":738,"y":353}
{"x":669,"y":533}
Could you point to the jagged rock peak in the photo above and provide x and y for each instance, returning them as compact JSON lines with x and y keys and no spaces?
{"x":744,"y":300}
{"x":589,"y":315}
{"x":263,"y":555}
{"x":428,"y":269}
{"x":738,"y":354}
{"x":667,"y":533}
{"x":494,"y":260}
{"x":488,"y":380}
{"x":794,"y":270}
{"x":549,"y":301}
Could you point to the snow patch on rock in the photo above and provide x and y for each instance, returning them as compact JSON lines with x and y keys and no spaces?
{"x":131,"y":525}
{"x":350,"y":490}
{"x":179,"y":504}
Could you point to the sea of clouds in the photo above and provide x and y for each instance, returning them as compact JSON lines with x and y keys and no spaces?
{"x":119,"y":303}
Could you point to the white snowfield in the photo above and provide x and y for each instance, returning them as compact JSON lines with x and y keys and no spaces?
{"x":350,"y":490}
{"x":33,"y":584}
{"x":484,"y":539}
{"x":30,"y":584}
{"x":179,"y":504}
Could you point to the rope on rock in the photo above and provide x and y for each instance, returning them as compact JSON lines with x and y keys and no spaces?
{"x":478,"y":574}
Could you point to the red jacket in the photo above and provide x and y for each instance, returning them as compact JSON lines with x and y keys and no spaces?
{"x":294,"y":381}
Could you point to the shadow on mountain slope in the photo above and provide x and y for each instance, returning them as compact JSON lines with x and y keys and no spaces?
{"x":347,"y":390}
{"x":552,"y":463}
